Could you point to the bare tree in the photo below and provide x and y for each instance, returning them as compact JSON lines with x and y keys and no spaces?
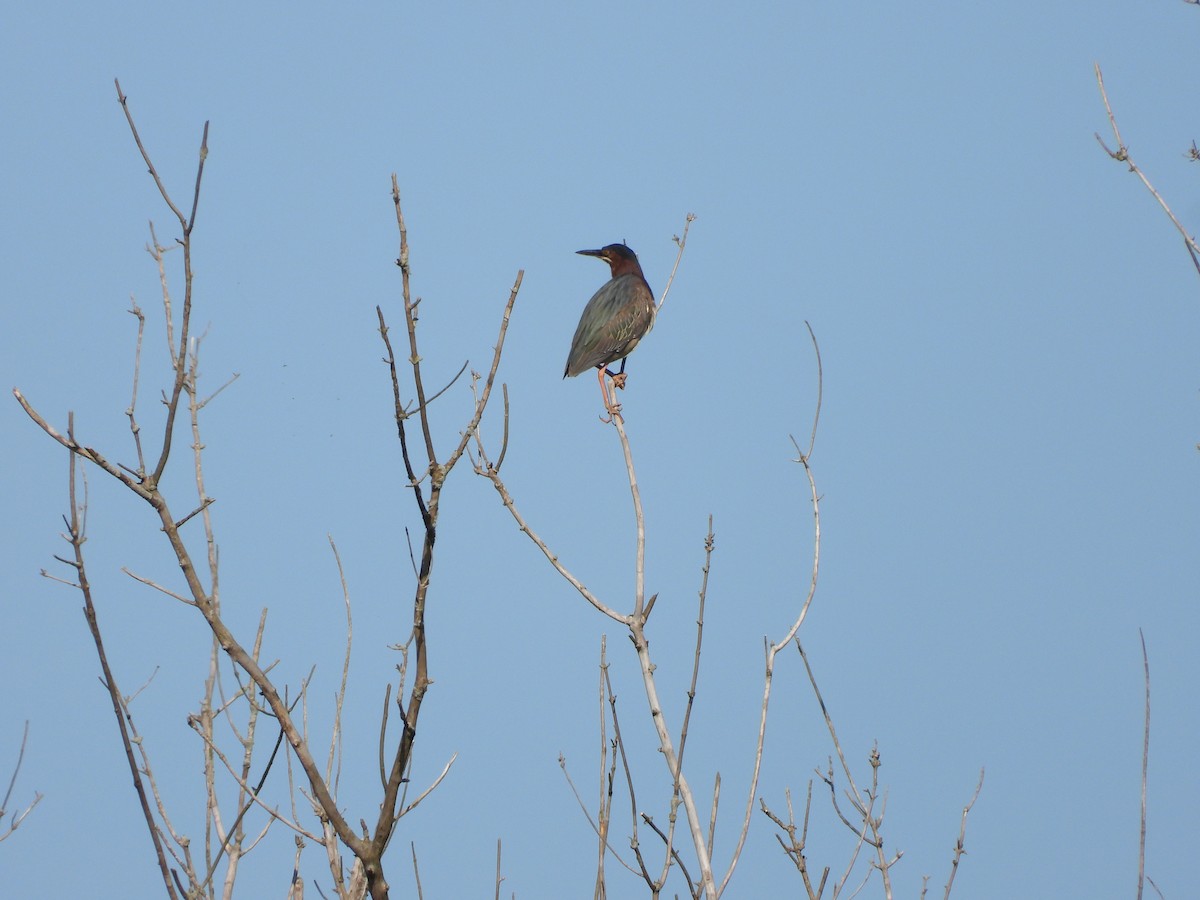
{"x":701,"y":873}
{"x":249,"y":723}
{"x":257,"y":695}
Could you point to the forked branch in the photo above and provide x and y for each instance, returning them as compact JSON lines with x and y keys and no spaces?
{"x":1121,"y":154}
{"x":17,"y":817}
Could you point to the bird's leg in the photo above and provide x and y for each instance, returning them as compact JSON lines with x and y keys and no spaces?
{"x":613,"y":408}
{"x":618,"y":378}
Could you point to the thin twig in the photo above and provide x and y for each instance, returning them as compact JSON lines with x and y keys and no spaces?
{"x":246,"y":807}
{"x":1145,"y":770}
{"x":186,"y":224}
{"x":137,"y":367}
{"x":962,"y":835}
{"x":693,"y":888}
{"x":401,"y":415}
{"x":410,"y":317}
{"x":812,"y":440}
{"x":1121,"y":154}
{"x":562,"y":764}
{"x":416,"y":871}
{"x":498,"y":878}
{"x":636,"y":624}
{"x":162,"y":189}
{"x":335,"y":741}
{"x":17,"y":818}
{"x":432,"y":786}
{"x":771,"y":650}
{"x":506,"y":498}
{"x":158,"y":587}
{"x":504,"y":440}
{"x":77,"y":538}
{"x":709,"y":543}
{"x":681,"y":242}
{"x":604,"y":810}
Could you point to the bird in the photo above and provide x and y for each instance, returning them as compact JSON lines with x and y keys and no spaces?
{"x":617,"y":317}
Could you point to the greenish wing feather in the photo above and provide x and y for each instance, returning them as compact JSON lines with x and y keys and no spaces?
{"x":614,"y":320}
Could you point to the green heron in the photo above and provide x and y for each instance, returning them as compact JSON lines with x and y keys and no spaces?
{"x":618,"y":316}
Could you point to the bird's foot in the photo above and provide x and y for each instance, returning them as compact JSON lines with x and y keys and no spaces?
{"x":618,"y":381}
{"x":614,"y":411}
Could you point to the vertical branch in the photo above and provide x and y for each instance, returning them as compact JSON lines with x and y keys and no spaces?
{"x":639,"y":596}
{"x":416,"y":871}
{"x":959,"y":847}
{"x":401,"y":416}
{"x":186,"y":224}
{"x":17,"y":818}
{"x":666,"y":745}
{"x":1145,"y":770}
{"x":498,"y":876}
{"x":619,"y":749}
{"x":205,"y":724}
{"x":134,"y":428}
{"x":203,"y":500}
{"x":709,"y":543}
{"x":638,"y":636}
{"x":681,"y":242}
{"x":389,"y":814}
{"x":687,"y":713}
{"x":604,"y":812}
{"x":772,"y":649}
{"x":410,"y":318}
{"x":76,"y":538}
{"x":335,"y":741}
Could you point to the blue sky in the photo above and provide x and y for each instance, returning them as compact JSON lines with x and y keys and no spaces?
{"x":1007,"y":454}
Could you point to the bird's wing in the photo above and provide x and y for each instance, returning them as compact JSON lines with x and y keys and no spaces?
{"x":614,"y":320}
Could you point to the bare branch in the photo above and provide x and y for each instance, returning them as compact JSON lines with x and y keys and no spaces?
{"x":77,"y":538}
{"x":636,"y":623}
{"x":562,"y":764}
{"x":709,"y":544}
{"x":416,"y":871}
{"x":1145,"y":770}
{"x":1121,"y":154}
{"x":604,"y":810}
{"x":134,"y":428}
{"x":820,"y":392}
{"x":962,"y":836}
{"x":205,"y":504}
{"x":410,"y":317}
{"x":506,"y":498}
{"x":401,"y":414}
{"x":335,"y":739}
{"x":504,"y":440}
{"x":773,"y":649}
{"x":18,"y":817}
{"x":498,"y":878}
{"x":429,"y":790}
{"x":681,"y":242}
{"x":693,"y":889}
{"x":186,"y":225}
{"x":158,"y":587}
{"x":124,"y":101}
{"x":79,"y":450}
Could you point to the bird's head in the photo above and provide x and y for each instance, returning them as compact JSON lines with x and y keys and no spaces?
{"x":620,"y":259}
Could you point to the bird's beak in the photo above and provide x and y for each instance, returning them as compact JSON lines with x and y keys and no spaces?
{"x":599,"y":254}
